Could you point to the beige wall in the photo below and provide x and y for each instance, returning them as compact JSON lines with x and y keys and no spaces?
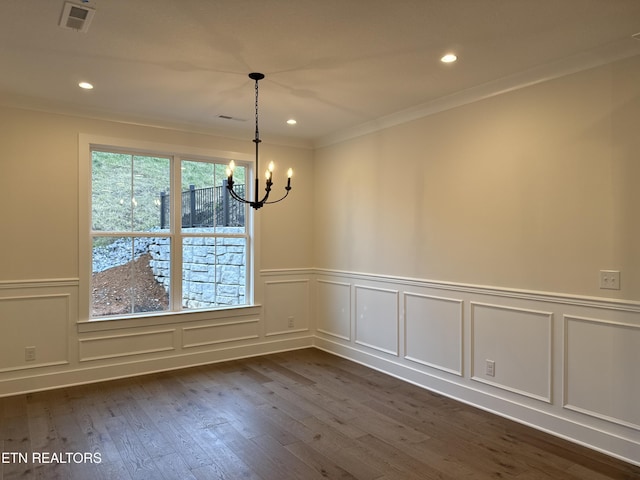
{"x":39,"y":192}
{"x":533,"y":189}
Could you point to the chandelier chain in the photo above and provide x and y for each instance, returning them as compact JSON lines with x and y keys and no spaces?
{"x":257,"y":133}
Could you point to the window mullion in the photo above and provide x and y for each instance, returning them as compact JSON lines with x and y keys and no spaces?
{"x":176,"y":234}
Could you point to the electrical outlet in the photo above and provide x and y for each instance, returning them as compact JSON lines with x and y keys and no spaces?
{"x":29,"y":354}
{"x":610,"y":279}
{"x":290,"y":324}
{"x":490,"y":368}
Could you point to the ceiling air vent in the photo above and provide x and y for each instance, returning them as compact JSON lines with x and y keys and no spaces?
{"x":76,"y":17}
{"x":229,"y":117}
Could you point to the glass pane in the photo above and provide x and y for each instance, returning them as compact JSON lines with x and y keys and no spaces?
{"x":130,"y":275}
{"x":206,"y":203}
{"x":111,"y":192}
{"x":234,"y":212}
{"x":129,"y":193}
{"x":151,"y":177}
{"x":213,"y":272}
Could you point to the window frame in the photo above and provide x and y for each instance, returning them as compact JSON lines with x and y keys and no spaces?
{"x":177,"y":153}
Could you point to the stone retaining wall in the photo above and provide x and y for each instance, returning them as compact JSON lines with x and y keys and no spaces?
{"x":214,"y":268}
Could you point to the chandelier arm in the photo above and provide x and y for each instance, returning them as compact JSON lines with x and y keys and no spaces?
{"x":235,"y":196}
{"x":280,"y":199}
{"x":267,"y":190}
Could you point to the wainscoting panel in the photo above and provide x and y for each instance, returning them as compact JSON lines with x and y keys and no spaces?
{"x":286,"y":306}
{"x":578,"y":379}
{"x":433,"y":331}
{"x":39,"y":321}
{"x":203,"y":335}
{"x":519,"y":342}
{"x":333,"y":312}
{"x":602,"y":369}
{"x":377,"y":318}
{"x":126,"y":345}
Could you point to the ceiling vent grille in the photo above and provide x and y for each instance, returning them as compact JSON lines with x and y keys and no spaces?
{"x":229,"y":117}
{"x":76,"y":17}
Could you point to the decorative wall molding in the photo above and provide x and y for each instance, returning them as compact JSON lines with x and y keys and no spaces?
{"x":38,"y":283}
{"x":216,"y":333}
{"x":517,"y":329}
{"x":333,"y":308}
{"x":376,"y":318}
{"x":286,"y":306}
{"x":528,"y":337}
{"x":393,"y":336}
{"x":38,"y":319}
{"x":519,"y":294}
{"x":443,"y":351}
{"x":126,"y":345}
{"x":592,"y":368}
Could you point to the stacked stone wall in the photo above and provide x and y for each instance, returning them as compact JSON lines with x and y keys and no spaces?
{"x":214,"y":269}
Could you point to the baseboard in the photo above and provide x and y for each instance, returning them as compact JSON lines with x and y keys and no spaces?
{"x":107,"y":372}
{"x":566,"y":428}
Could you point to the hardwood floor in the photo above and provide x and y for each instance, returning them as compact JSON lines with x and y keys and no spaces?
{"x":297,"y":415}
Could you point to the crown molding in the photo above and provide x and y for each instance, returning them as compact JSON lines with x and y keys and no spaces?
{"x":603,"y":55}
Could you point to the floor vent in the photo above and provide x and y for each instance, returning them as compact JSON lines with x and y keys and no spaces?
{"x":76,"y":17}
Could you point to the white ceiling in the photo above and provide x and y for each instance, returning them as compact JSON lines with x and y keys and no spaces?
{"x":331,"y":64}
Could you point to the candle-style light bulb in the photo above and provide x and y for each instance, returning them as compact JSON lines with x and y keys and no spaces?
{"x":289,"y":175}
{"x":228,"y":172}
{"x":271,"y":166}
{"x":267,"y":175}
{"x":232,"y":166}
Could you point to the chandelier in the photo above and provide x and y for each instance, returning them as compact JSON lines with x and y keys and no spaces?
{"x":257,"y":203}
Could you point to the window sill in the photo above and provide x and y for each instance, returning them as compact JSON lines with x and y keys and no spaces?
{"x":164,"y":318}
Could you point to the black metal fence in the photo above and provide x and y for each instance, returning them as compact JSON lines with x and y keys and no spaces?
{"x":206,"y":207}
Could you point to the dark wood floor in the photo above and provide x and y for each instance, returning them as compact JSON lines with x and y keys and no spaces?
{"x":296,"y":415}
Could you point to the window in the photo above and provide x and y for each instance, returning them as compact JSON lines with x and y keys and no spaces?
{"x":165,"y":236}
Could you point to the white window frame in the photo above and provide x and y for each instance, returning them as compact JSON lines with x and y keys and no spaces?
{"x":176,"y":153}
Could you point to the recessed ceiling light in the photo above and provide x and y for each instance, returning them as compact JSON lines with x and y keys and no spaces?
{"x":449,"y":58}
{"x":85,"y":85}
{"x":291,"y":121}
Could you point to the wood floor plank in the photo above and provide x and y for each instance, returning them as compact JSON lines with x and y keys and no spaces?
{"x":322,"y":464}
{"x":173,"y":466}
{"x":136,"y":459}
{"x":225,"y":462}
{"x":303,"y":414}
{"x":249,"y":452}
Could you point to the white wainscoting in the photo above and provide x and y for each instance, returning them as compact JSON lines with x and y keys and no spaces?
{"x":564,"y":364}
{"x":333,"y":308}
{"x":44,"y":315}
{"x":376,"y":322}
{"x":127,"y":344}
{"x":518,"y":342}
{"x":433,"y":329}
{"x":602,"y":369}
{"x":567,"y":365}
{"x":286,"y":306}
{"x":36,"y":315}
{"x":223,"y":332}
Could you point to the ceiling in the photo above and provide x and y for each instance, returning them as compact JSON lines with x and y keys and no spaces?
{"x":333,"y":65}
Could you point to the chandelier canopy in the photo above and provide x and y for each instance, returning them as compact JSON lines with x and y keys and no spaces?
{"x":258,"y":202}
